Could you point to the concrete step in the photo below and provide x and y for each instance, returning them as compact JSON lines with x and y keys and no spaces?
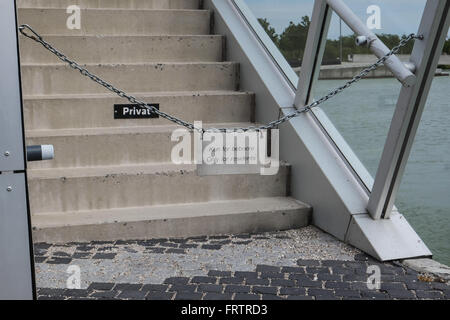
{"x":194,"y":219}
{"x":94,"y":147}
{"x":80,"y":189}
{"x":126,"y":49}
{"x":53,"y":21}
{"x":119,"y":4}
{"x":96,"y":111}
{"x":47,"y":79}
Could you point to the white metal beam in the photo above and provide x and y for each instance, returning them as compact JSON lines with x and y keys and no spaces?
{"x":16,"y":256}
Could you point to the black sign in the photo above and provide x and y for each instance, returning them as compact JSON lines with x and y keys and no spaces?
{"x":134,"y":111}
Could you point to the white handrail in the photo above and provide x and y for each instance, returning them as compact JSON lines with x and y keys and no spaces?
{"x":400,"y":71}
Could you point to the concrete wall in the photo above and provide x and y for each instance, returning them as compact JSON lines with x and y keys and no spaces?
{"x":370,"y":58}
{"x":349,"y":70}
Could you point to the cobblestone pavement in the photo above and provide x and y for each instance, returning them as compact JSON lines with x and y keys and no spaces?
{"x":304,"y":264}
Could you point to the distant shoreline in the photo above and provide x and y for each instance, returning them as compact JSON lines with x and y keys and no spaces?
{"x":348,"y":70}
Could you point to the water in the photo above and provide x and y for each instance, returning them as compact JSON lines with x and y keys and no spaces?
{"x":363,"y":115}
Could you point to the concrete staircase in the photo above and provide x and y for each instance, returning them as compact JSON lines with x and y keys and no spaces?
{"x":113,"y":179}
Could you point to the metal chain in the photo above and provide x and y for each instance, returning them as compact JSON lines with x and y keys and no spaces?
{"x":38,"y":38}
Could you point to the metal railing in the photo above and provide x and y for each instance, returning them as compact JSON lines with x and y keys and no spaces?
{"x":414,"y":93}
{"x":351,"y":203}
{"x":367,"y":38}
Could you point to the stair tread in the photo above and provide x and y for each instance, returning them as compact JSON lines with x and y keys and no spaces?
{"x":137,"y":4}
{"x":140,"y":94}
{"x":123,"y":130}
{"x":57,"y":64}
{"x":102,"y":171}
{"x":173,"y":211}
{"x":137,"y":36}
{"x":82,"y":172}
{"x":106,"y":10}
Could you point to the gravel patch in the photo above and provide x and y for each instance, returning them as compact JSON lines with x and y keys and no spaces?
{"x":153,"y":261}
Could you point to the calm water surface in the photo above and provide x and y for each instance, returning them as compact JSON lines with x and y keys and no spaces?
{"x":363,"y":115}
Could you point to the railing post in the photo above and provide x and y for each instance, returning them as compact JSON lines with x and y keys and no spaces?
{"x":425,"y":57}
{"x":314,"y":50}
{"x":16,"y":256}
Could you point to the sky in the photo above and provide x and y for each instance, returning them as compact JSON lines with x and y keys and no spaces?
{"x":397,"y":16}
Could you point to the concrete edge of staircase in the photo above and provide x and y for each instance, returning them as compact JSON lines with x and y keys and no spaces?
{"x":96,"y":4}
{"x":429,"y":266}
{"x":188,"y":220}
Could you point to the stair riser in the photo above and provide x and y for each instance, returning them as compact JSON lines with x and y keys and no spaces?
{"x":98,"y":112}
{"x":59,"y":79}
{"x":106,"y":150}
{"x":126,"y":49}
{"x":121,"y":191}
{"x":172,"y":228}
{"x":129,"y":4}
{"x":119,"y":22}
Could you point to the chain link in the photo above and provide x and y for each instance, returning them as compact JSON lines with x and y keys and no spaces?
{"x":274,"y":124}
